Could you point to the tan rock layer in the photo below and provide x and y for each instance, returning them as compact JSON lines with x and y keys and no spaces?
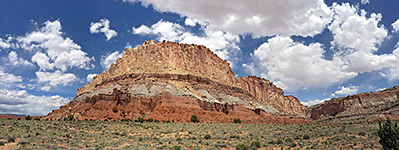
{"x":366,"y":105}
{"x":196,"y":60}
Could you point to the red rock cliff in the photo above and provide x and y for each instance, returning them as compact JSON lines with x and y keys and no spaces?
{"x":166,"y":80}
{"x":365,"y":105}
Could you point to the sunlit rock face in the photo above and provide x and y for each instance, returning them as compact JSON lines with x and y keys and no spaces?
{"x":168,"y":81}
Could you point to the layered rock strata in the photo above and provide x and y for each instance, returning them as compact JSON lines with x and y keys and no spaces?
{"x":169,"y":81}
{"x":369,"y":106}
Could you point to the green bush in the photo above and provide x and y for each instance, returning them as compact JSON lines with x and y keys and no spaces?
{"x":362,"y":133}
{"x":28,"y":117}
{"x":179,"y":139}
{"x":207,"y":136}
{"x":389,"y":135}
{"x":140,"y":119}
{"x":176,"y":147}
{"x":194,"y":119}
{"x":11,"y":139}
{"x":242,"y":147}
{"x":306,"y":137}
{"x":237,"y":120}
{"x":255,"y":144}
{"x":37,"y":119}
{"x":150,"y":120}
{"x":125,"y":120}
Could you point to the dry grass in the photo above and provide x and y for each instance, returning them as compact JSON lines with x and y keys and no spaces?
{"x":34,"y":134}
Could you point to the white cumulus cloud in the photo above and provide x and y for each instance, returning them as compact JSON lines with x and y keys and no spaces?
{"x":8,"y":78}
{"x":23,"y":103}
{"x":103,"y":26}
{"x":364,"y":2}
{"x":313,"y":102}
{"x":54,"y":79}
{"x":90,"y":77}
{"x":347,"y":90}
{"x":222,"y":43}
{"x":14,"y":60}
{"x":260,"y":18}
{"x":54,"y":51}
{"x":352,"y":28}
{"x":296,"y":65}
{"x":395,"y":26}
{"x":107,"y":60}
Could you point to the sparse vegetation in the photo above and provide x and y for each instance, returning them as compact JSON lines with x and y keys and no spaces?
{"x":28,"y":117}
{"x":238,"y":120}
{"x":194,"y":119}
{"x":57,"y":134}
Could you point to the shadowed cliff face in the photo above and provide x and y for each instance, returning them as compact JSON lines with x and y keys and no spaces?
{"x":171,"y":81}
{"x":370,"y":106}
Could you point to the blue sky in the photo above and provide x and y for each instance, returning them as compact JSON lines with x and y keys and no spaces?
{"x":313,"y":49}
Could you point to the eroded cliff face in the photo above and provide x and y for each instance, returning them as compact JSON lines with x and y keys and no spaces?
{"x":369,"y":106}
{"x":266,"y":92}
{"x":168,"y":81}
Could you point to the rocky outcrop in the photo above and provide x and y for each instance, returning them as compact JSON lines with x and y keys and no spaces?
{"x":169,"y":81}
{"x":366,"y":106}
{"x":266,"y":92}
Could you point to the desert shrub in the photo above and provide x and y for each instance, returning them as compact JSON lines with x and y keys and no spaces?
{"x":140,"y":138}
{"x":389,"y":135}
{"x":362,"y":133}
{"x":140,"y":119}
{"x":237,"y":120}
{"x":234,"y":136}
{"x":176,"y":147}
{"x":125,"y":120}
{"x":156,"y":121}
{"x":179,"y":139}
{"x":70,"y":118}
{"x":150,"y":120}
{"x":2,"y":143}
{"x":194,"y":119}
{"x":293,"y":145}
{"x":11,"y":139}
{"x":242,"y":147}
{"x":207,"y":136}
{"x":279,"y":141}
{"x":289,"y":140}
{"x":255,"y":144}
{"x":28,"y":117}
{"x":37,"y":119}
{"x":306,"y":137}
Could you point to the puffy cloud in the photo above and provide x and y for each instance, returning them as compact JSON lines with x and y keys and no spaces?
{"x":222,"y":43}
{"x":90,"y":77}
{"x":103,"y":26}
{"x":295,"y":65}
{"x":395,"y":26}
{"x":364,"y":2}
{"x":107,"y":60}
{"x":260,"y":18}
{"x":55,"y":51}
{"x":347,"y":90}
{"x":53,"y":79}
{"x":352,"y":29}
{"x":16,"y":61}
{"x":4,"y":44}
{"x":42,"y":61}
{"x":313,"y":102}
{"x":23,"y":103}
{"x":7,"y":78}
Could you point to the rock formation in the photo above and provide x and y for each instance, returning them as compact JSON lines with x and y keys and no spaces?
{"x":370,"y":106}
{"x":168,"y":81}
